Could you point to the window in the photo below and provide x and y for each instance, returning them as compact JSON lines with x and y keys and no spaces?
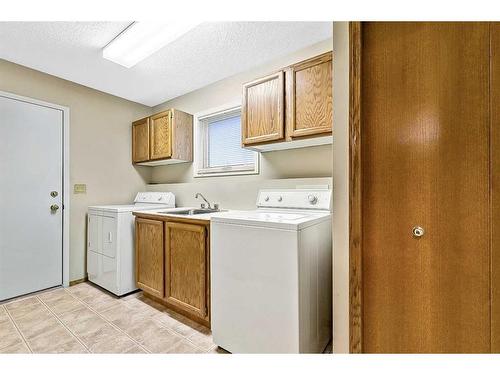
{"x":218,"y":151}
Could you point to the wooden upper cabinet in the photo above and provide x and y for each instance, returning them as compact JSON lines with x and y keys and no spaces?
{"x":290,"y":105}
{"x":187,"y":267}
{"x":164,"y":138}
{"x":140,"y":140}
{"x":309,"y":97}
{"x":160,"y":135}
{"x":149,"y":256}
{"x":263,"y":109}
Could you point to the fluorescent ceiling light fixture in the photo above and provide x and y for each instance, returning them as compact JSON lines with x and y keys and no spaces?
{"x":141,"y":39}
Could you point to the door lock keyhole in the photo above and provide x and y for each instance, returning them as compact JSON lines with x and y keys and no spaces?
{"x":418,"y":231}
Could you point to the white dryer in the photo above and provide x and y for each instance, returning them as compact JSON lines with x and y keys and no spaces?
{"x":110,"y":241}
{"x":271,"y":278}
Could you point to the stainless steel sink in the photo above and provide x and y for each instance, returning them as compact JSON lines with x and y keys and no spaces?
{"x":195,"y":211}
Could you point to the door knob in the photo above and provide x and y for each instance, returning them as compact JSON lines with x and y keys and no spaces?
{"x":418,"y":231}
{"x":54,"y":207}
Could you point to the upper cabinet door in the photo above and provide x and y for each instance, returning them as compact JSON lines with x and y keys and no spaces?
{"x":309,"y":97}
{"x":161,"y":135}
{"x":263,"y":109}
{"x":140,"y":140}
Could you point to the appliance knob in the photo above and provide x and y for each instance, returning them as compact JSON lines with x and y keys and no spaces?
{"x":312,"y":199}
{"x":280,"y":198}
{"x":266,"y":199}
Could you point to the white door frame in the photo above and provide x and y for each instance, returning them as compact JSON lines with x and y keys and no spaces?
{"x":66,"y":186}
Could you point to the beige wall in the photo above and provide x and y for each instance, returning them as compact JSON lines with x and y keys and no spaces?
{"x":100,"y":144}
{"x":305,"y":162}
{"x":341,"y":188}
{"x":235,"y":194}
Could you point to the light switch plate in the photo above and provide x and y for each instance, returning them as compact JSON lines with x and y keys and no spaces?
{"x":80,"y":189}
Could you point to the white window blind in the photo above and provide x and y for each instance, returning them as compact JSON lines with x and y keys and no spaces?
{"x":224,"y":144}
{"x":219,"y":150}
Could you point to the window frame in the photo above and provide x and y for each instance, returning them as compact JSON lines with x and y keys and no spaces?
{"x":201,"y":121}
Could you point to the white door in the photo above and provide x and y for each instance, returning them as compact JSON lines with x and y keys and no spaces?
{"x":31,"y":165}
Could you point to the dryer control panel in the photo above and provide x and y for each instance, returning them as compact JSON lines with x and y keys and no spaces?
{"x":158,"y":197}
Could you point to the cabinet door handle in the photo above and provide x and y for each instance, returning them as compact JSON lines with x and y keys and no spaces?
{"x":110,"y":237}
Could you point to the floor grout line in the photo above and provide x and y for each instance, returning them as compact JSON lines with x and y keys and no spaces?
{"x":109,"y":322}
{"x":64,"y":325}
{"x":17,"y":329}
{"x":154,"y":317}
{"x":171,"y":330}
{"x":168,"y":329}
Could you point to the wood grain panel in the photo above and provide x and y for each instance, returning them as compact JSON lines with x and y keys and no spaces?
{"x":161,"y":136}
{"x":263,"y":110}
{"x":355,"y":229}
{"x":140,"y":140}
{"x":186,"y":267}
{"x":425,"y":161}
{"x":182,"y":135}
{"x":309,"y":97}
{"x":495,"y":185}
{"x":149,"y":256}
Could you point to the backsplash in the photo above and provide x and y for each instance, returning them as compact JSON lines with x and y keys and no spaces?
{"x":238,"y":193}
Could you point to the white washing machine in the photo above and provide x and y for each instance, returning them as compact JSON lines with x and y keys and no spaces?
{"x":110,"y":241}
{"x":271,"y":278}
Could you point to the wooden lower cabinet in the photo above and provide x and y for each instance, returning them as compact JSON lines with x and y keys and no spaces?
{"x":173,"y":264}
{"x":149,"y":255}
{"x":186,"y":267}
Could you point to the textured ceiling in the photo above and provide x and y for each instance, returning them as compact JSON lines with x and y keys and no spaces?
{"x":208,"y":53}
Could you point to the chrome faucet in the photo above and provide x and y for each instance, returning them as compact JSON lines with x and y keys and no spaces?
{"x":202,"y":197}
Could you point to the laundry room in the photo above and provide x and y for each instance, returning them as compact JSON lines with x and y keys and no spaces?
{"x":140,"y":170}
{"x":229,"y":189}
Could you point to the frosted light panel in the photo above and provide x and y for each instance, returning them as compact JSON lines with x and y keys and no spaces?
{"x":141,"y":39}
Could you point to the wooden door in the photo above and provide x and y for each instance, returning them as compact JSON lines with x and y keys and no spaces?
{"x":161,"y":135}
{"x":186,"y":267}
{"x":140,"y":140}
{"x":309,"y":97}
{"x":495,"y":186}
{"x":263,"y":110}
{"x":425,"y":162}
{"x":149,"y":256}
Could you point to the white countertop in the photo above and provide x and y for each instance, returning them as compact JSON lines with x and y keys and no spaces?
{"x":171,"y":212}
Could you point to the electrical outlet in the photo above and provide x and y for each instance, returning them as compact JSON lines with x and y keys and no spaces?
{"x":80,"y":189}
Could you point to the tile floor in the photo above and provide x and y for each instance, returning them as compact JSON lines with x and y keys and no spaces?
{"x":86,"y":319}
